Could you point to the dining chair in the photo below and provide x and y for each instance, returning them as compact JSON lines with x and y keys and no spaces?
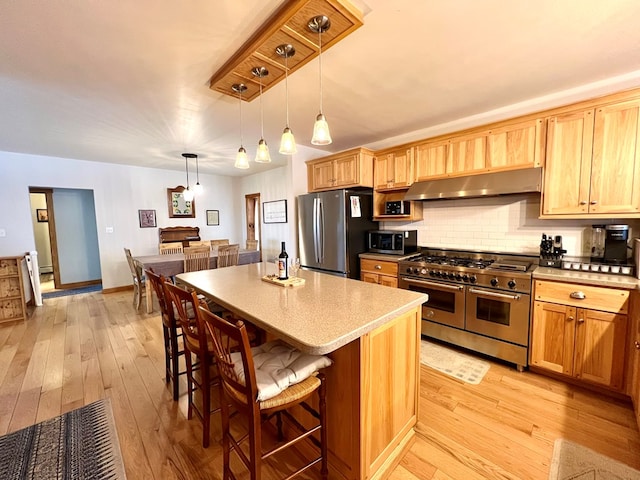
{"x":198,"y":353}
{"x":261,"y":383}
{"x":171,"y":331}
{"x":228,"y":255}
{"x":200,"y":243}
{"x":220,"y":241}
{"x":137,"y":278}
{"x":197,"y":258}
{"x":170,"y":247}
{"x":252,"y":244}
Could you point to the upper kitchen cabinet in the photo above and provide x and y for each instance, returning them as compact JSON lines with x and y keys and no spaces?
{"x":351,"y":168}
{"x":467,"y":154}
{"x":593,"y":161}
{"x":431,"y":160}
{"x":393,"y":170}
{"x":517,"y":145}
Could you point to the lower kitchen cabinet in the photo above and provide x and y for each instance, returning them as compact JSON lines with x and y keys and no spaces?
{"x":571,"y":337}
{"x":633,"y":377}
{"x":380,"y":272}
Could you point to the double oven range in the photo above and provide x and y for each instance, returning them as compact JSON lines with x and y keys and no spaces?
{"x":479,"y":301}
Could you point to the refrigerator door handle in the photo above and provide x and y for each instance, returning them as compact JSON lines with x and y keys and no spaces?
{"x":321,"y":231}
{"x":316,"y":228}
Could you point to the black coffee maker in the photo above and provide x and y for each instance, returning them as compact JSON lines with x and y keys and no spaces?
{"x":615,"y":244}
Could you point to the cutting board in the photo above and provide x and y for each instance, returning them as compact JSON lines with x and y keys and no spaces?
{"x":289,"y":282}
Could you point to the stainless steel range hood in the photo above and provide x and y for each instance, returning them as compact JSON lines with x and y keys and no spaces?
{"x":482,"y":185}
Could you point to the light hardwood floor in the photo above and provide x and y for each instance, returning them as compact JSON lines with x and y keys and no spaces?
{"x":77,"y":349}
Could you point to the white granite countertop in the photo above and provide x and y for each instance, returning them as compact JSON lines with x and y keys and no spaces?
{"x":318,"y":317}
{"x":385,"y":257}
{"x":587,"y":278}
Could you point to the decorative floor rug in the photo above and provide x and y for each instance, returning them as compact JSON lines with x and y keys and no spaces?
{"x":72,"y":291}
{"x":79,"y":445}
{"x":453,"y":363}
{"x":574,"y":462}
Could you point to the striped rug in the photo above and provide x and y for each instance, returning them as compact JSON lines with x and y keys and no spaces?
{"x":79,"y":445}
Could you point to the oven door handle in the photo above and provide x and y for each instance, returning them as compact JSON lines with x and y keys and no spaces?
{"x":495,"y":294}
{"x":443,"y":286}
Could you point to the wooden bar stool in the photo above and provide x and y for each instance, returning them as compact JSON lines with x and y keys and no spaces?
{"x":171,"y":331}
{"x":247,"y":384}
{"x":198,"y":351}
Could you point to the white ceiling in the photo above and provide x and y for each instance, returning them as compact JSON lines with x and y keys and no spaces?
{"x":127,"y":81}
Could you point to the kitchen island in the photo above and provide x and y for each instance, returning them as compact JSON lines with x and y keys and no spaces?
{"x":371,"y":332}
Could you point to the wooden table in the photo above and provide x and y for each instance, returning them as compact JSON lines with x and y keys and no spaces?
{"x":372,"y":333}
{"x":173,"y":264}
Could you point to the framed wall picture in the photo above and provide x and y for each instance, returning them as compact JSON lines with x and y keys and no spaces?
{"x":42,"y":215}
{"x":274,"y":212}
{"x":213,"y":217}
{"x":147,"y":218}
{"x":178,"y":206}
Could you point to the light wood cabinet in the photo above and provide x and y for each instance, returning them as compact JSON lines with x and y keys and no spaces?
{"x":380,"y":272}
{"x":593,"y":161}
{"x":517,"y":145}
{"x":431,"y":160}
{"x":351,"y":168}
{"x":12,"y":302}
{"x":393,"y":170}
{"x":633,"y":364}
{"x":467,"y":154}
{"x":571,"y":337}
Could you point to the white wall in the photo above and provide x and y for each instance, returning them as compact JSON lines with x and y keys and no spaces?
{"x":119,"y":191}
{"x":507,"y":223}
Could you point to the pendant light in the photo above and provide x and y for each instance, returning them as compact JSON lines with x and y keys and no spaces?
{"x":187,"y":192}
{"x":262,"y":155}
{"x":242,"y":161}
{"x":287,"y":142}
{"x":197,"y":188}
{"x":321,"y":135}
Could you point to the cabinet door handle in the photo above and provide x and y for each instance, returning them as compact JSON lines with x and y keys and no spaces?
{"x":570,"y":318}
{"x":581,"y":320}
{"x":637,"y":345}
{"x":578,"y":295}
{"x":378,"y":267}
{"x":593,"y":202}
{"x":583,"y":202}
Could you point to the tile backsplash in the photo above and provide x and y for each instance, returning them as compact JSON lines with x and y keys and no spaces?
{"x":507,"y":223}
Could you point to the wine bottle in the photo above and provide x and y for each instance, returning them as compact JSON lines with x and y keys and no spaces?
{"x":282,"y":264}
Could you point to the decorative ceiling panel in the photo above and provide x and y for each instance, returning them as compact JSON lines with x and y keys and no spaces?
{"x":287,"y":25}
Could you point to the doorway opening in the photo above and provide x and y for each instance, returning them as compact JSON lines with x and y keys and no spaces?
{"x":252,"y":207}
{"x":66,"y":238}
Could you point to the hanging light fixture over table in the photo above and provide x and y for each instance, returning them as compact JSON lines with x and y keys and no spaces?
{"x":321,"y":136}
{"x":197,"y":188}
{"x":188,"y":193}
{"x":288,"y":141}
{"x":242,"y":161}
{"x":262,"y":155}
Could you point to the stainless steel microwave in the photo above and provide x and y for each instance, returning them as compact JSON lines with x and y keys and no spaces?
{"x":393,"y":242}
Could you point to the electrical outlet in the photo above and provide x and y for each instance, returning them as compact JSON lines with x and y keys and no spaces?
{"x":109,"y":229}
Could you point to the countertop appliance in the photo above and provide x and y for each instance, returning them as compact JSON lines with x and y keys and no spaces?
{"x":392,"y":242}
{"x":332,"y":230}
{"x":480,"y":301}
{"x":597,"y":243}
{"x":615,"y":243}
{"x":399,"y":207}
{"x":551,"y":251}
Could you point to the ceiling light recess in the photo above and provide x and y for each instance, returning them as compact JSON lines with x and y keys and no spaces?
{"x":288,"y":25}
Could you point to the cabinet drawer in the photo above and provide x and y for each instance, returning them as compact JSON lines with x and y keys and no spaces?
{"x":596,"y":298}
{"x":386,"y":268}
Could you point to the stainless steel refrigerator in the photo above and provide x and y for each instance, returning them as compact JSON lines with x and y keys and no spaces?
{"x":332,"y":230}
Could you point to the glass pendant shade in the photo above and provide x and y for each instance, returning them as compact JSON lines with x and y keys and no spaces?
{"x":187,"y":194}
{"x":287,"y":142}
{"x":262,"y":154}
{"x":198,"y":189}
{"x":242,"y":161}
{"x":321,"y":134}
